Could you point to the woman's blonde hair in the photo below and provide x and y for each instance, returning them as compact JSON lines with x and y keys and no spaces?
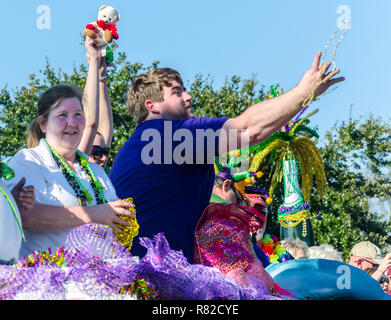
{"x":293,"y":245}
{"x":149,"y":86}
{"x":49,"y":100}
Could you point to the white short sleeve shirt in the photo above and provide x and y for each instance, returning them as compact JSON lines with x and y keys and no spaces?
{"x":51,"y":187}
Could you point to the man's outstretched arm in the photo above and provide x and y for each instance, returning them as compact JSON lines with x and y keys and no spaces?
{"x":261,"y":120}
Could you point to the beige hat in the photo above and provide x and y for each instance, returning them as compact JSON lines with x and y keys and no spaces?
{"x":368,"y":250}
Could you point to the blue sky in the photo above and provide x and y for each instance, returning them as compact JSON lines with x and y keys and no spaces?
{"x":273,"y":40}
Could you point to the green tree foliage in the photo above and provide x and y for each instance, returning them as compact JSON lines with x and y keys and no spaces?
{"x":357,"y":160}
{"x":356,"y":153}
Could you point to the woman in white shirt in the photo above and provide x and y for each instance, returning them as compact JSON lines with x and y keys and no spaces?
{"x":69,"y":190}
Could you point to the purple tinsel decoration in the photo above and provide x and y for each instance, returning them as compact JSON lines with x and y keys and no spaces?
{"x":176,"y":278}
{"x":100,"y":266}
{"x":288,"y":210}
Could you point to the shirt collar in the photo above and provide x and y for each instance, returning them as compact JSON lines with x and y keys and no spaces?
{"x":46,"y":155}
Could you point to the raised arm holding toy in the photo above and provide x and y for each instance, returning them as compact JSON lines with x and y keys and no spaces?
{"x":104,"y":30}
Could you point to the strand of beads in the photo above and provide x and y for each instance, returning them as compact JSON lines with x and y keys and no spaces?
{"x":83,"y":195}
{"x":327,"y":77}
{"x":80,"y":195}
{"x":97,"y":186}
{"x":346,"y":24}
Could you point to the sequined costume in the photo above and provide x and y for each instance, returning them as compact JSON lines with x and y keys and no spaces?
{"x":222,"y":240}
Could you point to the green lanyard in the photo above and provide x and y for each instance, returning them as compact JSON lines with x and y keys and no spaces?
{"x":13,"y":211}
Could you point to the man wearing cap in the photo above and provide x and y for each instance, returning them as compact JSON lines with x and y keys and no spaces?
{"x":366,"y":255}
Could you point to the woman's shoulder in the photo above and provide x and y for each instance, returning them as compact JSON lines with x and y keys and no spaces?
{"x":26,"y":154}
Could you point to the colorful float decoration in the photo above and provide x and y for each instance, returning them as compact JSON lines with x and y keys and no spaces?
{"x":295,"y":155}
{"x":273,"y":249}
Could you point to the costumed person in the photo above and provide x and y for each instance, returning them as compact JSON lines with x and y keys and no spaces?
{"x":160,"y":105}
{"x":20,"y":199}
{"x":70,"y":191}
{"x":223,"y":236}
{"x":267,"y":247}
{"x":258,"y":199}
{"x":98,"y":132}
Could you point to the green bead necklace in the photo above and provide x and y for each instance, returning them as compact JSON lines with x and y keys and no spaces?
{"x":84,"y":197}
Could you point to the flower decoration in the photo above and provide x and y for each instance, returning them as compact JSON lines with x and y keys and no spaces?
{"x":273,"y":249}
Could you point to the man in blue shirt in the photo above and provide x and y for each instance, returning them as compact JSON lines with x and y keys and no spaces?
{"x":167,"y":163}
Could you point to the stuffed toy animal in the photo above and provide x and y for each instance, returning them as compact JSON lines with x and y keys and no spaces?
{"x":104,"y":30}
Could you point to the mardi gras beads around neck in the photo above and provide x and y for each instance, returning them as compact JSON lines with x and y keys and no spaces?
{"x":83,"y":195}
{"x":128,"y":232}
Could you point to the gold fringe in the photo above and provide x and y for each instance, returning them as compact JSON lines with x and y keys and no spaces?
{"x":255,"y":163}
{"x":295,"y":218}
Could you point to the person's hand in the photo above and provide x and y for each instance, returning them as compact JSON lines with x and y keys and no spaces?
{"x":385,"y":264}
{"x":318,"y":76}
{"x":107,"y":214}
{"x":93,"y":51}
{"x":24,"y":196}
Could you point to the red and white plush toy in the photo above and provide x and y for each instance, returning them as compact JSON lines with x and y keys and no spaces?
{"x":103,"y":30}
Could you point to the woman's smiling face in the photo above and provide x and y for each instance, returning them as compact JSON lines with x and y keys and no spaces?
{"x":64,"y":126}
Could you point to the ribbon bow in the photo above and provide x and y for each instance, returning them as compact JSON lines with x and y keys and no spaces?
{"x":108,"y":26}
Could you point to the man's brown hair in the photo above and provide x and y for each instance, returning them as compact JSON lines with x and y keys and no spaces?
{"x":149,"y":86}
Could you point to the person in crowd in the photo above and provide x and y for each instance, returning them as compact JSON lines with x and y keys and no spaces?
{"x":365,"y":255}
{"x":167,"y":152}
{"x":222,"y":236}
{"x":98,"y":132}
{"x":69,"y":190}
{"x":383,"y":281}
{"x":227,"y":231}
{"x":297,"y":248}
{"x":225,"y":192}
{"x":324,"y":251}
{"x":257,"y":197}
